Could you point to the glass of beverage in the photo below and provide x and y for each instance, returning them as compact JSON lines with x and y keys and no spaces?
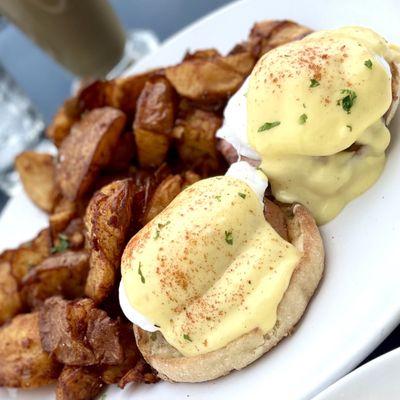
{"x":85,"y":37}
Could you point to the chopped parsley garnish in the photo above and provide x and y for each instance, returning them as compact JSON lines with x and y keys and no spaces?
{"x":303,"y":119}
{"x":349,"y":127}
{"x":62,"y":245}
{"x":157,"y":235}
{"x":268,"y":125}
{"x":140,"y":273}
{"x":157,"y":326}
{"x":229,"y":237}
{"x":187,"y":337}
{"x":242,"y":195}
{"x":347,"y":101}
{"x":314,"y":83}
{"x":304,"y":105}
{"x":368,"y":64}
{"x":218,"y":198}
{"x":163,"y":225}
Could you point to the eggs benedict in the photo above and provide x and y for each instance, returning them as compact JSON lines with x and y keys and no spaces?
{"x":313,"y":114}
{"x":210,"y":284}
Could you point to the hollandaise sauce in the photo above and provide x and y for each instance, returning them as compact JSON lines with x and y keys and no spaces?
{"x":314,"y":110}
{"x":209,"y":268}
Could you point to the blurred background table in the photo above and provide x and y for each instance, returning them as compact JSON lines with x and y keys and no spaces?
{"x":48,"y":84}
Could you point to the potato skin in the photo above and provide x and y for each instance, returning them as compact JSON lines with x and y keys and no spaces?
{"x":36,"y":171}
{"x":87,"y":149}
{"x":107,"y":220}
{"x":154,"y":121}
{"x":23,"y":363}
{"x":61,"y":274}
{"x":78,"y":383}
{"x":10,"y":299}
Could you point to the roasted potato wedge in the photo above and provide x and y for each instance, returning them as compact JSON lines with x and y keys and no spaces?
{"x":269,"y":34}
{"x":76,"y":333}
{"x":123,"y":154}
{"x":63,"y":213}
{"x":133,"y":368}
{"x":107,"y":220}
{"x":62,"y":122}
{"x":10,"y":299}
{"x":36,"y":171}
{"x":97,"y":94}
{"x":196,"y":143}
{"x":78,"y":383}
{"x":23,"y":363}
{"x":62,"y":274}
{"x":204,"y":80}
{"x":127,"y":90}
{"x":166,"y":191}
{"x":87,"y":149}
{"x":30,"y":254}
{"x":154,"y":121}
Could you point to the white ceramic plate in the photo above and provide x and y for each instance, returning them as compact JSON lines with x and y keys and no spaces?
{"x":357,"y":305}
{"x":379,"y":379}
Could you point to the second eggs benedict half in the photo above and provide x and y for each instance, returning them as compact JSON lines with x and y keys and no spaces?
{"x":210,"y":273}
{"x":313,"y":112}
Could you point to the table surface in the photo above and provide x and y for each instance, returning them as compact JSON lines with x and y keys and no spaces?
{"x":48,"y":84}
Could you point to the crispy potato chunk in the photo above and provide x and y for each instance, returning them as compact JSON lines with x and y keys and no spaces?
{"x":30,"y":254}
{"x":23,"y":363}
{"x":154,"y":121}
{"x":98,"y":94}
{"x":87,"y":149}
{"x":107,"y":220}
{"x":133,"y":368}
{"x":127,"y":90}
{"x":62,"y":274}
{"x":62,"y":122}
{"x":63,"y":213}
{"x":166,"y":191}
{"x":10,"y":300}
{"x":76,"y":333}
{"x":36,"y":171}
{"x":196,"y":138}
{"x":269,"y":34}
{"x":210,"y":79}
{"x":123,"y":154}
{"x":78,"y":383}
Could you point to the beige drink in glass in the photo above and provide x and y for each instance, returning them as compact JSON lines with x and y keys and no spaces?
{"x":85,"y":36}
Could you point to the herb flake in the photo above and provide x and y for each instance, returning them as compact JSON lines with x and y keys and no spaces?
{"x":157,"y":235}
{"x":62,"y":245}
{"x":368,"y":64}
{"x":313,"y":83}
{"x":303,"y":119}
{"x":350,"y":128}
{"x":242,"y":195}
{"x":140,"y":273}
{"x":218,"y":198}
{"x":229,"y":237}
{"x":187,"y":337}
{"x":347,"y":101}
{"x":160,"y":226}
{"x":268,"y":125}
